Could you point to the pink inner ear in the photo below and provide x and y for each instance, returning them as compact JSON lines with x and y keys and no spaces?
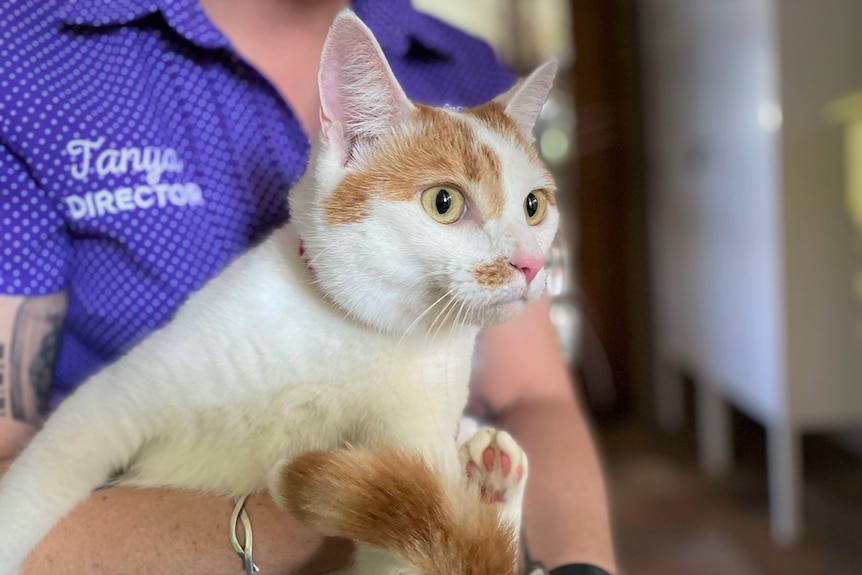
{"x":325,"y":122}
{"x":524,"y":101}
{"x":359,"y":96}
{"x":333,"y":134}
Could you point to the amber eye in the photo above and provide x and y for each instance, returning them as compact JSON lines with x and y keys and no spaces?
{"x":444,"y":204}
{"x":535,"y":206}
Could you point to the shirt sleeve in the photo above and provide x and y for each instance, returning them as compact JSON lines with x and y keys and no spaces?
{"x":34,"y":245}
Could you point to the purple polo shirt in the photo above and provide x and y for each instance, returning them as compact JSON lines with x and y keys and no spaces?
{"x":139,"y":153}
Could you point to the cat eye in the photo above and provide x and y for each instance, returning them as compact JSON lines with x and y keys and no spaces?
{"x":535,"y":206}
{"x":443,"y":203}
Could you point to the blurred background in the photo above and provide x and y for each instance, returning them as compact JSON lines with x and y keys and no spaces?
{"x":708,"y":283}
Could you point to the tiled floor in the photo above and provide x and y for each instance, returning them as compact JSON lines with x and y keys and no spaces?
{"x":672,"y":520}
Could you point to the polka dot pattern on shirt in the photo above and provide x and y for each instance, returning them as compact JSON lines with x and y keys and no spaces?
{"x":139,"y":154}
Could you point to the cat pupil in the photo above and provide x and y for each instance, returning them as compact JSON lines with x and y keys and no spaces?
{"x":532,"y":205}
{"x":443,"y":202}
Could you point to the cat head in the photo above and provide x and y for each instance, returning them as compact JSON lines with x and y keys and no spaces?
{"x":415,"y":216}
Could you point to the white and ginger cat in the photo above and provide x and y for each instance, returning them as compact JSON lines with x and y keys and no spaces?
{"x":353,"y":325}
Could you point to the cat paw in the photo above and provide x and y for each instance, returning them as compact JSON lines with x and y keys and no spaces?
{"x":496,"y":463}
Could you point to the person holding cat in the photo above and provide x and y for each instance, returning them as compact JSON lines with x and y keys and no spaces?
{"x":142,"y":147}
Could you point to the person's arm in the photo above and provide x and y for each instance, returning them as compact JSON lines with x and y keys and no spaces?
{"x":121,"y":531}
{"x":523,"y":386}
{"x":125,"y":531}
{"x":29,"y":332}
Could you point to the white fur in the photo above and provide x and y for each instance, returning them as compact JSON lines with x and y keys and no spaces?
{"x":266,"y":361}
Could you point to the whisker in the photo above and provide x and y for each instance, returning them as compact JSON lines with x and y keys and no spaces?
{"x":446,"y":307}
{"x":423,"y":314}
{"x":445,"y":319}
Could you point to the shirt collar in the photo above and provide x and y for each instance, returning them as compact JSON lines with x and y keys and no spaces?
{"x":394,"y":22}
{"x":186,"y":17}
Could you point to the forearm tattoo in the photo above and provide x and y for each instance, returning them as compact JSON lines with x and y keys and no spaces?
{"x":30,"y":361}
{"x":2,"y":379}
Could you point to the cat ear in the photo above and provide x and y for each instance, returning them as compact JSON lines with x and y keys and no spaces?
{"x":359,"y":96}
{"x":524,"y":100}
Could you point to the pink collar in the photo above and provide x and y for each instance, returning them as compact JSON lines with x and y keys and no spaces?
{"x":301,"y":251}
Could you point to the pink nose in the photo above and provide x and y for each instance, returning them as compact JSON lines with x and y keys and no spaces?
{"x":529,"y":264}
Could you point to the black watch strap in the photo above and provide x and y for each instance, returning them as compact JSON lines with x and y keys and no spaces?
{"x":578,"y":569}
{"x":535,"y":567}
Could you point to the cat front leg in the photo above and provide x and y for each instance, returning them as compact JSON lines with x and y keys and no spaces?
{"x":405,"y":515}
{"x":496,"y":464}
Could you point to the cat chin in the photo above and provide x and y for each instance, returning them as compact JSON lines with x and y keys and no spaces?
{"x":505,"y":311}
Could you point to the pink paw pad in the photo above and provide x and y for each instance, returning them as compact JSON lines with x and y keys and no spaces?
{"x":490,"y":456}
{"x":495,"y":462}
